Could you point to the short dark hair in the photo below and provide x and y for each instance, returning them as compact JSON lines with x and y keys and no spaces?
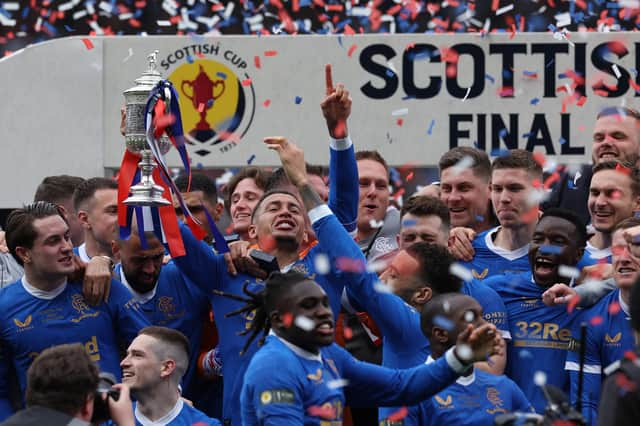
{"x":20,"y":231}
{"x":171,"y":344}
{"x":268,"y":194}
{"x":61,"y":378}
{"x":628,"y":169}
{"x":627,"y":223}
{"x":277,"y":179}
{"x":167,"y":335}
{"x":568,"y":215}
{"x":374,"y":156}
{"x":423,"y":205}
{"x":199,"y":182}
{"x":87,"y":189}
{"x":313,"y":169}
{"x":56,"y":189}
{"x":258,"y":175}
{"x":434,"y":267}
{"x":481,"y":165}
{"x":517,"y":159}
{"x":439,"y":307}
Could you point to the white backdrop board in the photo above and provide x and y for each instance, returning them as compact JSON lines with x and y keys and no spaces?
{"x":414,"y":96}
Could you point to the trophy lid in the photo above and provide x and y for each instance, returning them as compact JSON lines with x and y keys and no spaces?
{"x":149,"y":78}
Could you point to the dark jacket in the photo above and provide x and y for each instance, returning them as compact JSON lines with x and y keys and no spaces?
{"x":620,"y":400}
{"x":38,"y":416}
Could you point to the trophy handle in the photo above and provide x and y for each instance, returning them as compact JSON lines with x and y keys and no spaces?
{"x":190,"y":84}
{"x":215,"y":83}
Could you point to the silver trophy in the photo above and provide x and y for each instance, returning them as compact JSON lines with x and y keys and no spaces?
{"x":146,"y":192}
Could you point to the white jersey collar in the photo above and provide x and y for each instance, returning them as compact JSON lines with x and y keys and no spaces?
{"x":166,"y":419}
{"x":507,"y":254}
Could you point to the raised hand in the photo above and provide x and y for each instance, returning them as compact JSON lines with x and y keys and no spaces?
{"x":478,"y":344}
{"x":336,"y":106}
{"x":291,"y":157}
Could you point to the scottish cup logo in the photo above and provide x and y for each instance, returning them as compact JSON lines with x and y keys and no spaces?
{"x":217,"y":109}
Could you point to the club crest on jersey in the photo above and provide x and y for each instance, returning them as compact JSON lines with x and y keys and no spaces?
{"x":480,"y":275}
{"x":78,"y":303}
{"x":23,"y":325}
{"x":446,"y":402}
{"x":493,"y":395}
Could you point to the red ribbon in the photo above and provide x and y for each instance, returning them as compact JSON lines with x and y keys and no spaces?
{"x":128,"y":170}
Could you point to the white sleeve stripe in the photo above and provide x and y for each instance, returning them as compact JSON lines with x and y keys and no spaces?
{"x":506,"y":334}
{"x":340,"y":144}
{"x":317,"y":213}
{"x":588,"y":368}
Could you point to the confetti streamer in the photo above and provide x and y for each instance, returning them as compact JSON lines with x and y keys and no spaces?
{"x":87,"y":43}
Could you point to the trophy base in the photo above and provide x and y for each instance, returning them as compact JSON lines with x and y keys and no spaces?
{"x":202,"y":135}
{"x":148,"y":196}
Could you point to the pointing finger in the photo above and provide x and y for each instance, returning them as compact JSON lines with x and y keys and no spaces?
{"x":328,"y":78}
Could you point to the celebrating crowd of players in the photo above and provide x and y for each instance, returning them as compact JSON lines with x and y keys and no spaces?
{"x":470,"y":298}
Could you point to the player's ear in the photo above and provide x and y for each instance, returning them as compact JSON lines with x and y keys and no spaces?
{"x":218,"y":211}
{"x":253,"y":232}
{"x":422,"y":295}
{"x":83,"y":217}
{"x":276,"y":319}
{"x":23,"y":254}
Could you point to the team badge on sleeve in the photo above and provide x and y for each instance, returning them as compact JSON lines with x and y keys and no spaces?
{"x":277,"y":396}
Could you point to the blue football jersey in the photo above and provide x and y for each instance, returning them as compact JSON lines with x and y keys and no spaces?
{"x":29,"y":325}
{"x":540,"y":336}
{"x":593,"y":256}
{"x":182,"y":415}
{"x":312,"y":390}
{"x":490,"y":260}
{"x":474,"y":400}
{"x":608,"y":337}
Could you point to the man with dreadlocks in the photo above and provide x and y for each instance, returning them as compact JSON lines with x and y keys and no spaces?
{"x":320,"y":376}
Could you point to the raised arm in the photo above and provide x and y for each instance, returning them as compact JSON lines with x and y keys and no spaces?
{"x":201,"y":265}
{"x":343,"y":169}
{"x":338,"y":245}
{"x":372,"y":384}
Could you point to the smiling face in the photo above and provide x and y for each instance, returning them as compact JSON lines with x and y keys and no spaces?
{"x":466,"y":196}
{"x":511,"y":191}
{"x":626,"y":268}
{"x":244,"y":198}
{"x":554,"y":243}
{"x":51,"y":255}
{"x":374,"y":193}
{"x":141,"y":368}
{"x":616,"y":137}
{"x":309,"y":301}
{"x":279,"y":217}
{"x":610,"y":199}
